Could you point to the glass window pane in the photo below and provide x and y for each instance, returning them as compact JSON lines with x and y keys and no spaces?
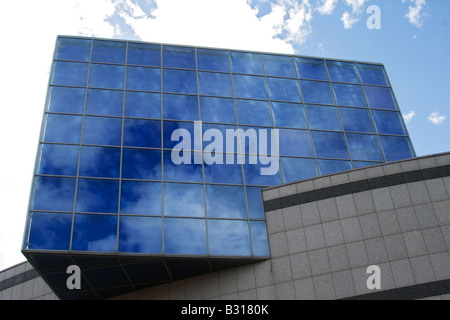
{"x":364,"y":147}
{"x":260,"y":242}
{"x":215,"y":84}
{"x":372,"y":74}
{"x":66,"y":100}
{"x":249,"y":63}
{"x":342,"y":71}
{"x":140,"y":235}
{"x":140,"y":78}
{"x":323,"y":118}
{"x":50,"y":231}
{"x":141,"y":164}
{"x":62,"y":128}
{"x":225,"y":202}
{"x":284,"y":90}
{"x":295,"y":143}
{"x":188,"y":171}
{"x":228,"y":238}
{"x":396,"y":148}
{"x":143,"y":104}
{"x":180,"y":81}
{"x":313,"y":69}
{"x":380,"y":98}
{"x":295,"y":169}
{"x":54,"y":194}
{"x":103,"y":131}
{"x":183,"y":200}
{"x":357,"y":120}
{"x":100,"y":162}
{"x":255,"y":203}
{"x":139,"y":197}
{"x":142,"y":133}
{"x":253,"y":139}
{"x":104,"y":102}
{"x":185,"y":236}
{"x":317,"y":92}
{"x":215,"y":140}
{"x":288,"y":115}
{"x":87,"y":236}
{"x":94,"y":195}
{"x":178,"y":57}
{"x":106,"y":76}
{"x":250,"y":87}
{"x":58,"y":160}
{"x":180,"y":107}
{"x":185,"y":138}
{"x":279,"y":66}
{"x":223,"y":172}
{"x":217,"y":110}
{"x":70,"y":73}
{"x":254,"y":174}
{"x":73,"y":49}
{"x":349,"y":95}
{"x":109,"y":51}
{"x":213,"y":60}
{"x":388,"y":122}
{"x":330,"y":145}
{"x":333,"y":166}
{"x":144,"y":54}
{"x":253,"y":112}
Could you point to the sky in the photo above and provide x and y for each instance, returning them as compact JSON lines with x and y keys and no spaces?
{"x":410,"y":37}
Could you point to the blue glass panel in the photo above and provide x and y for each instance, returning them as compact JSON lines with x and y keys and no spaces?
{"x":109,"y":51}
{"x":388,"y":122}
{"x":284,"y":90}
{"x":357,"y":120}
{"x":180,"y":81}
{"x":317,"y":92}
{"x":295,"y":143}
{"x":142,"y":133}
{"x":251,"y":112}
{"x":140,"y":235}
{"x":313,"y":69}
{"x":364,"y":147}
{"x":252,"y":139}
{"x":87,"y":236}
{"x":105,"y":131}
{"x":104,"y":102}
{"x":295,"y":169}
{"x":73,"y":49}
{"x":342,"y":71}
{"x":213,"y":60}
{"x":178,"y":57}
{"x":188,"y":139}
{"x":54,"y":194}
{"x":215,"y":84}
{"x":50,"y":231}
{"x":323,"y":118}
{"x":66,"y":100}
{"x":144,"y":54}
{"x":372,"y":74}
{"x":279,"y":66}
{"x":381,"y":98}
{"x":188,"y":171}
{"x":333,"y":166}
{"x":61,"y":128}
{"x":223,"y":172}
{"x":217,"y":110}
{"x":260,"y":242}
{"x":139,"y":197}
{"x":396,"y":148}
{"x":288,"y":115}
{"x":97,"y":196}
{"x":249,"y":63}
{"x":70,"y":73}
{"x":100,"y":162}
{"x":254,"y":174}
{"x":250,"y":87}
{"x":143,"y":104}
{"x":180,"y":107}
{"x":140,"y":78}
{"x":225,"y":202}
{"x":215,"y":140}
{"x":330,"y":145}
{"x":106,"y":76}
{"x":141,"y":164}
{"x":349,"y":95}
{"x":183,"y":200}
{"x":255,"y":203}
{"x":363,"y":164}
{"x":58,"y":160}
{"x":185,"y":236}
{"x":229,"y":238}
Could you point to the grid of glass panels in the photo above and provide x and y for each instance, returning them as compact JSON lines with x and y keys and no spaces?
{"x":105,"y":180}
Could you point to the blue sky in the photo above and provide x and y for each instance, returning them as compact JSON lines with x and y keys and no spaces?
{"x":413,"y":44}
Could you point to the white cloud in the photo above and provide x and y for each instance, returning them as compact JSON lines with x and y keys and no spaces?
{"x":348,"y":20}
{"x":437,"y":118}
{"x":357,"y":5}
{"x":415,"y":14}
{"x":409,"y":116}
{"x":327,"y":6}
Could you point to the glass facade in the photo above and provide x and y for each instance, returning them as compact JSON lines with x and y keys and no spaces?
{"x":105,"y":179}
